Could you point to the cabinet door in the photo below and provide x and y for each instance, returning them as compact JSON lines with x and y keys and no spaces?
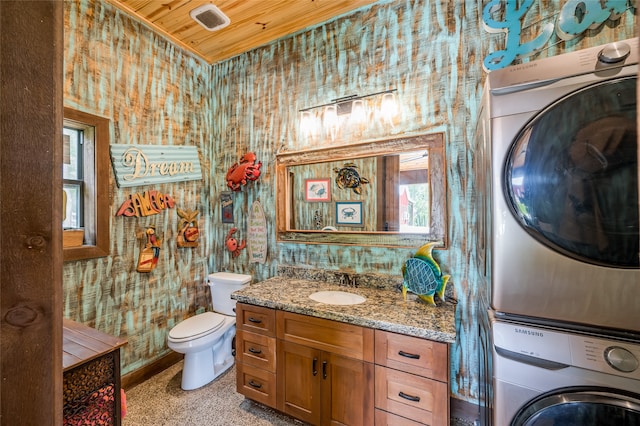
{"x":347,"y":391}
{"x":299,"y":375}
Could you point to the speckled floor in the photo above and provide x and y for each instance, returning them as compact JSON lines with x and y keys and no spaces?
{"x":160,"y":401}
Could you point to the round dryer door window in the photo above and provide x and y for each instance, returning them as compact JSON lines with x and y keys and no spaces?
{"x":571,"y":175}
{"x":580,"y":407}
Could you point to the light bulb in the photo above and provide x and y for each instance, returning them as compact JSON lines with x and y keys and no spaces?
{"x":388,"y":107}
{"x":357,"y":112}
{"x":331,"y":120}
{"x":330,"y":116}
{"x":306,"y":123}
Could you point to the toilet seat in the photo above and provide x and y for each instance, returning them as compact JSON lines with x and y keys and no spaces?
{"x":196,"y":326}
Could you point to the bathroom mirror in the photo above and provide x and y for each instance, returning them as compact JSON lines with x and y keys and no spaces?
{"x":389,"y":192}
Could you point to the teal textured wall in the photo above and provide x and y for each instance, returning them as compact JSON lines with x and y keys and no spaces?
{"x":154,"y":93}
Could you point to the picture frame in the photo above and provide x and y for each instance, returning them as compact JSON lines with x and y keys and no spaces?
{"x":349,"y":213}
{"x":317,"y":190}
{"x":226,"y":206}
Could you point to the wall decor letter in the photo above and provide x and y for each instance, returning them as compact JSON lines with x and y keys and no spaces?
{"x":511,"y":26}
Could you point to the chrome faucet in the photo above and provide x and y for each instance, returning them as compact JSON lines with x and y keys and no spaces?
{"x":347,"y":280}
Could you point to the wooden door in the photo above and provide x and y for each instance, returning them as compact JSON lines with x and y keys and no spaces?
{"x":299,"y":375}
{"x":31,"y":54}
{"x":347,"y":391}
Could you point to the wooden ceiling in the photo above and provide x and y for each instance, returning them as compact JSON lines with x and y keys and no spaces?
{"x":253,"y":22}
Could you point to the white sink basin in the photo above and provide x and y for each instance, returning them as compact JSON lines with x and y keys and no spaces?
{"x":337,"y":297}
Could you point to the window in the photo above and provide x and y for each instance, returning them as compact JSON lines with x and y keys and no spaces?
{"x":85,"y":175}
{"x":73,"y":184}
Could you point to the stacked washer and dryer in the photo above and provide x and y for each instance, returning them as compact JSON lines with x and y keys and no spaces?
{"x":559,"y":238}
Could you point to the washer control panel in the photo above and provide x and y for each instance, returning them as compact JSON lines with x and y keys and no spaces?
{"x":607,"y":356}
{"x":596,"y":353}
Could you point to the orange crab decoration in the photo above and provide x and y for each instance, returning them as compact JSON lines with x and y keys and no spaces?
{"x":240,"y":173}
{"x":232,"y":243}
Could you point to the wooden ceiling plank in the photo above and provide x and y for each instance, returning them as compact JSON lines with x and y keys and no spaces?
{"x":136,"y":5}
{"x":153,"y":9}
{"x":171,"y":19}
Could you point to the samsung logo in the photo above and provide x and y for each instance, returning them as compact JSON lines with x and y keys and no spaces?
{"x":529,"y":332}
{"x":516,"y":68}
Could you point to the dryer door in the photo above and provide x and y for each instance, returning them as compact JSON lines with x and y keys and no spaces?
{"x":571,"y":176}
{"x":580,"y":406}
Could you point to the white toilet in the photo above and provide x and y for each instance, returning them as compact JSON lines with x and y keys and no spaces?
{"x":206,"y":339}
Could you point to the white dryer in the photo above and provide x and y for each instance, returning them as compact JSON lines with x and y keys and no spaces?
{"x":565,"y":228}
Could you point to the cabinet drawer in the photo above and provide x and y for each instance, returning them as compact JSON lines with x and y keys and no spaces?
{"x":388,"y":419}
{"x":256,"y":319}
{"x":326,"y":335}
{"x":256,"y":350}
{"x":413,"y":354}
{"x":256,"y":384}
{"x":417,"y":398}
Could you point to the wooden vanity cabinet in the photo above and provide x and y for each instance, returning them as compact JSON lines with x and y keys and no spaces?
{"x":411,"y":381}
{"x":325,"y":370}
{"x":331,"y":373}
{"x":256,"y":353}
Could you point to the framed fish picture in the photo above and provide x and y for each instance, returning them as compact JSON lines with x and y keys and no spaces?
{"x":317,"y":190}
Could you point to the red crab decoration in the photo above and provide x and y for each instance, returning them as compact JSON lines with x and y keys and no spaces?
{"x":247,"y":170}
{"x":232,"y":243}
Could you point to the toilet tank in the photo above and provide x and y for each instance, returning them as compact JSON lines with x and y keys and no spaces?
{"x":222,"y":284}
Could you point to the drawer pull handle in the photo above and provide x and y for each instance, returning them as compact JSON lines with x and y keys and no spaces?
{"x":314,"y":370}
{"x":254,"y":384}
{"x":409,"y":397}
{"x":255,"y":351}
{"x":324,"y":369}
{"x":255,"y":320}
{"x":408,"y":355}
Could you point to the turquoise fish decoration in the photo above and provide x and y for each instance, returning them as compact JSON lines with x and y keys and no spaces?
{"x":423,"y":277}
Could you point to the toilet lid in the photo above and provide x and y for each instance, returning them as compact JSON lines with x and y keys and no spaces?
{"x":197,"y":326}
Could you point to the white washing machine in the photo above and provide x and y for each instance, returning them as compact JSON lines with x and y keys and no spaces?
{"x":549,"y":376}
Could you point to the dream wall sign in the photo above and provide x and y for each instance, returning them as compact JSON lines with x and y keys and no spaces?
{"x":136,"y":165}
{"x":575,"y":17}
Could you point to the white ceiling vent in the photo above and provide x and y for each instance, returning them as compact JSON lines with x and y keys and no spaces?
{"x":210,"y":17}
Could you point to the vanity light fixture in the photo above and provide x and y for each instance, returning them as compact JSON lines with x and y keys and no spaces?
{"x":351,"y":109}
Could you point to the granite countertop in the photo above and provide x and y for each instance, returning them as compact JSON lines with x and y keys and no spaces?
{"x":384,"y":309}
